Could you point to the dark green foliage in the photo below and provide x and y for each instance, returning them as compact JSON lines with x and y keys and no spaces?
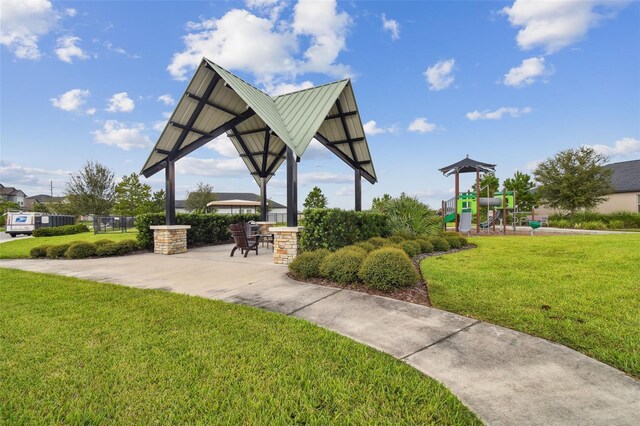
{"x":439,"y":244}
{"x":615,"y":220}
{"x":39,"y":252}
{"x":388,"y":268}
{"x":91,"y":190}
{"x":113,"y":249}
{"x":315,"y":199}
{"x":365,"y":245}
{"x":60,"y":230}
{"x":307,"y":265}
{"x":522,"y":184}
{"x":205,"y":228}
{"x":80,"y":251}
{"x":132,"y":197}
{"x":396,"y":239}
{"x":407,"y":215}
{"x":197,"y":200}
{"x":336,"y":228}
{"x":343,"y":265}
{"x":102,"y":242}
{"x":377,"y":242}
{"x":454,"y":242}
{"x":488,"y":179}
{"x":425,"y":245}
{"x":131,"y":245}
{"x":57,"y":251}
{"x":463,"y":241}
{"x":412,"y":248}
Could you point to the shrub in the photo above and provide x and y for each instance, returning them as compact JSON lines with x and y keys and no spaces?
{"x":307,"y":265}
{"x":60,"y":230}
{"x":425,"y":245}
{"x":111,"y":249}
{"x":463,"y":241}
{"x":388,"y":268}
{"x":377,"y":242}
{"x":80,"y":251}
{"x":57,"y":251}
{"x":594,"y":224}
{"x":102,"y":242}
{"x":130,"y":245}
{"x":343,"y":265}
{"x":412,"y":248}
{"x":615,"y":224}
{"x":560,"y":223}
{"x":367,"y":246}
{"x":39,"y":252}
{"x":335,"y":228}
{"x":205,"y":228}
{"x":407,"y":215}
{"x":439,"y":244}
{"x":396,"y":239}
{"x":454,"y":242}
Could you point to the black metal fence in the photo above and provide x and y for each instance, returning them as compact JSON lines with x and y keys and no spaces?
{"x":107,"y":224}
{"x":51,"y":220}
{"x":280,"y":217}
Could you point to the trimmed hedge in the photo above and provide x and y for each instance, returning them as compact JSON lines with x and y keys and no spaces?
{"x":307,"y":265}
{"x":440,"y":244}
{"x":412,"y":248}
{"x":39,"y":252}
{"x":367,"y":246}
{"x":425,"y":245}
{"x":205,"y":228}
{"x":454,"y":242}
{"x":343,"y":265}
{"x":377,"y":242}
{"x":83,"y":249}
{"x":102,"y":242}
{"x":80,"y":251}
{"x":388,"y":268}
{"x":60,"y":230}
{"x":57,"y":251}
{"x":335,"y":228}
{"x":594,"y":220}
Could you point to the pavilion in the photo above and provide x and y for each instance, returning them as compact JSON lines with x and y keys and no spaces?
{"x":265,"y":130}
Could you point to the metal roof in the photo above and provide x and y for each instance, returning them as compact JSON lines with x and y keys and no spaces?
{"x":261,"y":127}
{"x":467,"y":165}
{"x":625,"y":176}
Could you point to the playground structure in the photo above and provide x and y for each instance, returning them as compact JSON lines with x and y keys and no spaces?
{"x":463,"y":206}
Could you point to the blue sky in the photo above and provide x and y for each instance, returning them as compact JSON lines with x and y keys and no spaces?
{"x":509,"y":83}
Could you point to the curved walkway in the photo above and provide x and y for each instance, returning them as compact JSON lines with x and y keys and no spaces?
{"x":504,"y":376}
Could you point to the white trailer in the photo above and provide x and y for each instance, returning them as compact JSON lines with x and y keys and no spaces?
{"x":23,"y":223}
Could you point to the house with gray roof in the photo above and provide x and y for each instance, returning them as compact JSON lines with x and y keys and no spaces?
{"x":235,"y":203}
{"x":9,"y":193}
{"x":625,"y":179}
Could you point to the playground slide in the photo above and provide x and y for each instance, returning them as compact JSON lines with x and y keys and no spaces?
{"x":488,"y":223}
{"x":450,"y":217}
{"x":465,"y":222}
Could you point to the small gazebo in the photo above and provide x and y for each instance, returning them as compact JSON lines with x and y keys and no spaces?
{"x":467,"y":165}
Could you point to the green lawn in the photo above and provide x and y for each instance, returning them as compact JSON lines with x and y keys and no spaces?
{"x":581,"y":291}
{"x":80,"y":352}
{"x":20,"y":247}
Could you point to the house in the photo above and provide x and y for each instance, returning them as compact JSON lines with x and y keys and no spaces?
{"x":625,"y":179}
{"x":237,"y":202}
{"x":9,"y":193}
{"x":30,"y":202}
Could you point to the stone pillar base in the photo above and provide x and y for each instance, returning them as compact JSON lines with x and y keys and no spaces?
{"x":265,"y":226}
{"x":170,"y":239}
{"x":286,"y":244}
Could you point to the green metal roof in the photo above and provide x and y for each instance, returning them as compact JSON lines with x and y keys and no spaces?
{"x":216,"y":98}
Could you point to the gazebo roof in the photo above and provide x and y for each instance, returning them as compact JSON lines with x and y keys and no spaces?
{"x":261,"y":127}
{"x":468,"y":165}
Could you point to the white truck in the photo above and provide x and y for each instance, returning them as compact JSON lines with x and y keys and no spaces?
{"x":24,"y":223}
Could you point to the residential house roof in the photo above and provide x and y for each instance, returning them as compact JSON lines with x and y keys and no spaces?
{"x":625,"y":176}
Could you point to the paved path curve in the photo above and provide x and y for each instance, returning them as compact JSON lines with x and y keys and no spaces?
{"x":504,"y":376}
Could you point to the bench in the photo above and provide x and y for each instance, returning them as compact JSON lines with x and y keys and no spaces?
{"x":542,"y":218}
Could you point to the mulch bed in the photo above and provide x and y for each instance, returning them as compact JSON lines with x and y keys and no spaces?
{"x":417,"y":293}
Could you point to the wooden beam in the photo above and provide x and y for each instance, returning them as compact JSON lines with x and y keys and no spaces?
{"x":342,"y":142}
{"x":183,"y":127}
{"x":346,"y":114}
{"x":246,"y":150}
{"x":265,"y":149}
{"x":346,"y":131}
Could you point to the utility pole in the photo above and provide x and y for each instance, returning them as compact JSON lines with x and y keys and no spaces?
{"x":52,"y":188}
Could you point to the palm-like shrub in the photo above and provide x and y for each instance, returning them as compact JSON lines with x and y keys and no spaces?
{"x":408,"y":217}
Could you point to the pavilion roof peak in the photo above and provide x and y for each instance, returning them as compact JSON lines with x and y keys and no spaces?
{"x":468,"y":165}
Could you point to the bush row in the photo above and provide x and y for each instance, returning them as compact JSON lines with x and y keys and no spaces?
{"x":594,"y":220}
{"x":205,"y":228}
{"x":379,"y":263}
{"x":83,"y":249}
{"x":60,"y":230}
{"x":336,"y":228}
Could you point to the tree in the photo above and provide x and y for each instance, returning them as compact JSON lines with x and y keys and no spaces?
{"x":573,"y":179}
{"x":490,"y":180}
{"x":522,"y":184}
{"x":158,"y":201}
{"x":197,"y":200}
{"x":380,"y":204}
{"x":91,"y":190}
{"x":315,"y":199}
{"x":132,"y":197}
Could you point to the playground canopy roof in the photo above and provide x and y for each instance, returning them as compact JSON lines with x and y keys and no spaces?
{"x":467,"y":165}
{"x":261,"y":127}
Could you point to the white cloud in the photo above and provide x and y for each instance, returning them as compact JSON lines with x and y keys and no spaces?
{"x":440,"y":76}
{"x":346,"y":191}
{"x":272,"y":8}
{"x":421,"y":125}
{"x":240,"y":40}
{"x":115,"y":133}
{"x":497,"y":114}
{"x":90,"y":111}
{"x":223,"y":146}
{"x":531,"y":165}
{"x":110,"y":47}
{"x":166,"y":99}
{"x":371,"y":128}
{"x":23,"y":22}
{"x":72,"y":100}
{"x":32,"y":180}
{"x":316,"y":151}
{"x":71,"y":12}
{"x":66,"y":49}
{"x":624,"y":147}
{"x":392,"y":26}
{"x":527,"y":72}
{"x":282,"y":88}
{"x":159,"y":125}
{"x":554,"y":25}
{"x":323,"y":177}
{"x":121,"y":102}
{"x":211,"y":167}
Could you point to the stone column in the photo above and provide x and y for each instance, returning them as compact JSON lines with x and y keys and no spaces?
{"x":170,"y":239}
{"x":286,"y":245}
{"x":265,"y":226}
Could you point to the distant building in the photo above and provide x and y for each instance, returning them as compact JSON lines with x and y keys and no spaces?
{"x":30,"y":202}
{"x":9,"y":193}
{"x":237,"y":202}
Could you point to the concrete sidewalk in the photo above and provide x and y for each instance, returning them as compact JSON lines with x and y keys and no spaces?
{"x":504,"y":376}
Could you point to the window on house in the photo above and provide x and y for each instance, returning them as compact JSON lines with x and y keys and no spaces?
{"x":638,"y":203}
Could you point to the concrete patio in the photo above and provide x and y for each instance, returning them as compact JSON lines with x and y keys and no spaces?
{"x":504,"y":376}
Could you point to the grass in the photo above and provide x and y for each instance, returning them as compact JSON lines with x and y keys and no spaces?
{"x":80,"y":352}
{"x":20,"y":247}
{"x":581,"y":291}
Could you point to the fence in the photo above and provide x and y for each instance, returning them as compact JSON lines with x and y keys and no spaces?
{"x":51,"y":220}
{"x":106,"y":224}
{"x":280,"y":217}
